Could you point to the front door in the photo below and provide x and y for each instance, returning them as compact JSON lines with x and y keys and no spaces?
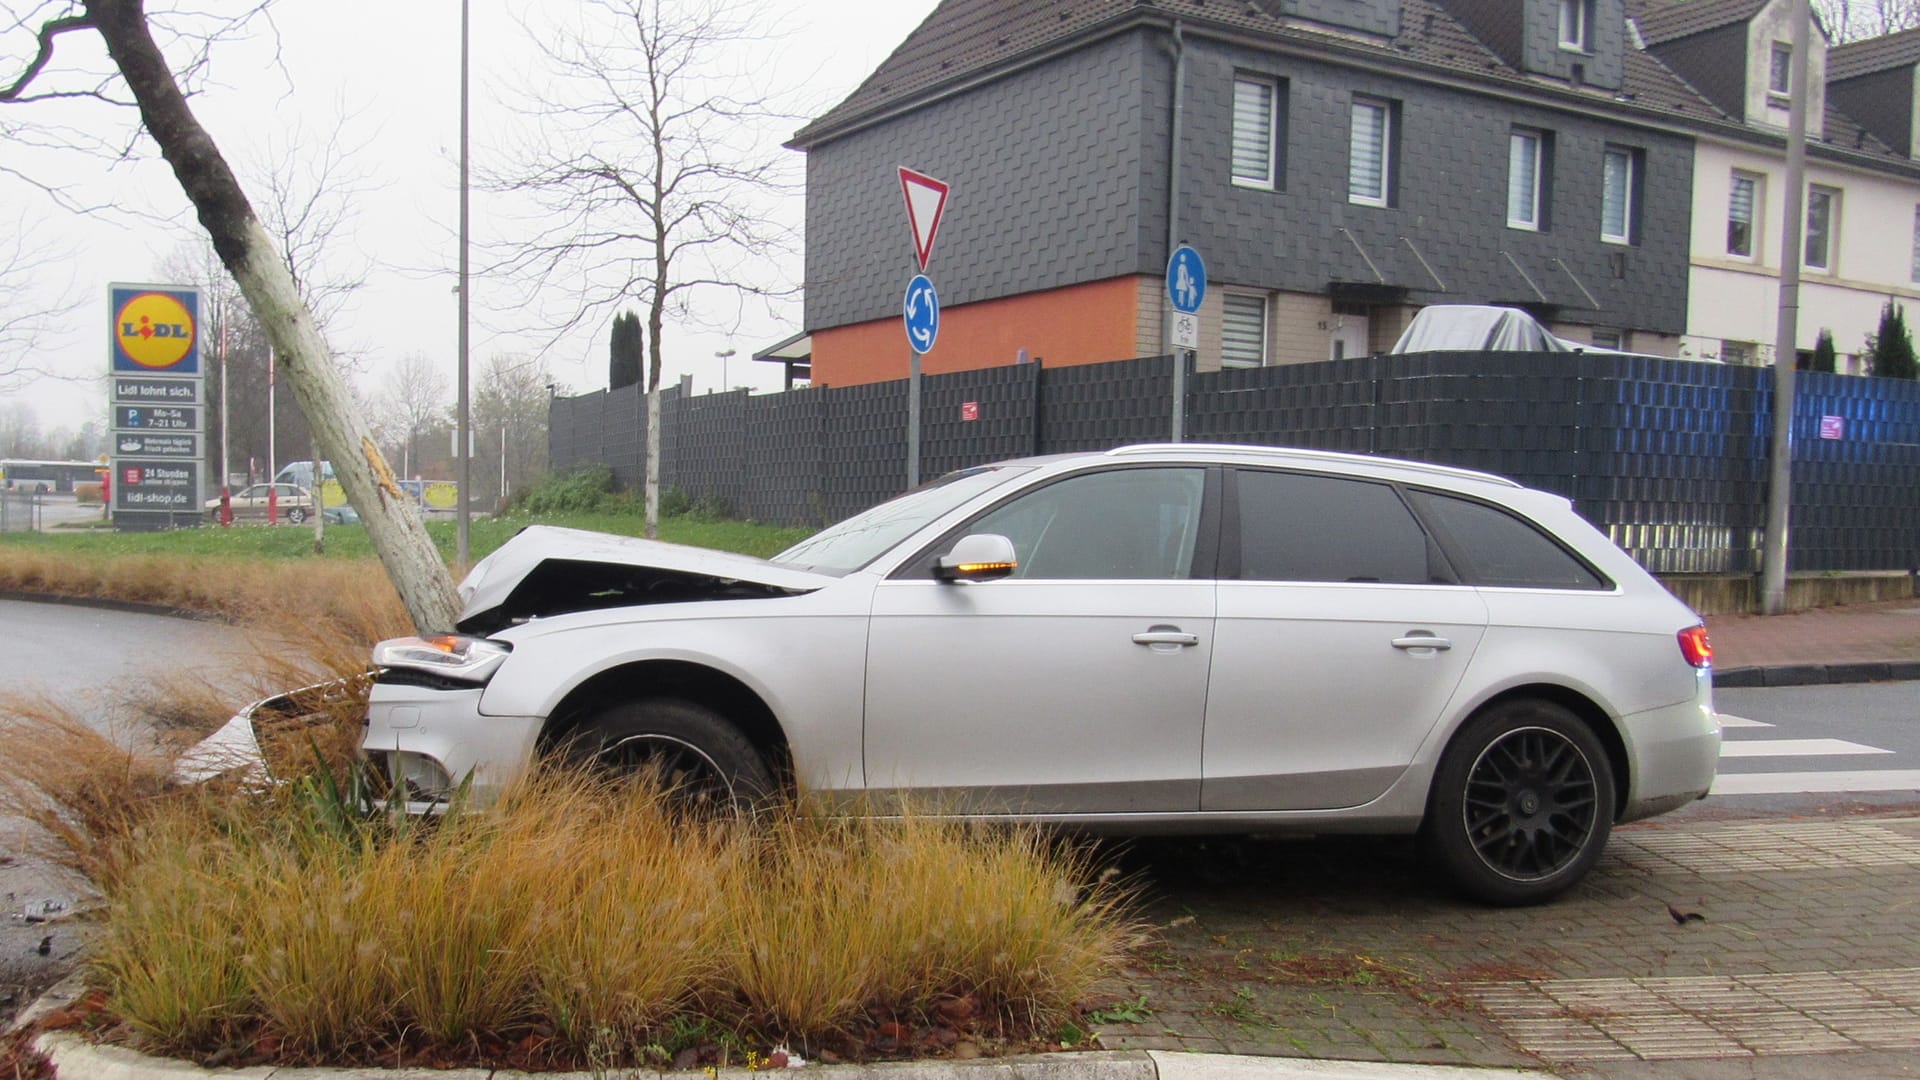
{"x":1349,"y":337}
{"x":1078,"y":685}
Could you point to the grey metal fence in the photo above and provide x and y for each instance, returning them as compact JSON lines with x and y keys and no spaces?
{"x":1668,"y":456}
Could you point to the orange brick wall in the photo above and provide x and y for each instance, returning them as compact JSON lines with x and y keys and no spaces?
{"x":1080,"y":324}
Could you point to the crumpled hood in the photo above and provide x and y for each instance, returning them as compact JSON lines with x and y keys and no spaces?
{"x":545,"y":570}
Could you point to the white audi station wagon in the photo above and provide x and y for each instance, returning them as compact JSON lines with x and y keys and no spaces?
{"x":1168,"y":638}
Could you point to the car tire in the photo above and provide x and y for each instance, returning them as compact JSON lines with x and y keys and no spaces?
{"x":1521,"y":805}
{"x":296,"y":515}
{"x":703,"y":760}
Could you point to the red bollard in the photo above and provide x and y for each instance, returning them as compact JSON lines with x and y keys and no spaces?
{"x":273,"y":504}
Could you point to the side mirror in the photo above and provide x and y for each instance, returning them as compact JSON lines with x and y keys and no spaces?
{"x":979,"y":557}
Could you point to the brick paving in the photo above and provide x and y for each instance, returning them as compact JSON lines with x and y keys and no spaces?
{"x":1857,"y":633}
{"x":1809,"y":942}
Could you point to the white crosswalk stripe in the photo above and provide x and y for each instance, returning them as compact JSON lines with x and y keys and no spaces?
{"x":1755,"y":746}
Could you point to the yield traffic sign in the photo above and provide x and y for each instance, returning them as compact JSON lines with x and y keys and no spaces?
{"x":926,"y":198}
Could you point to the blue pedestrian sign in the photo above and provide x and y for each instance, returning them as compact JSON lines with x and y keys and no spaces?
{"x":1186,"y":280}
{"x":922,"y":311}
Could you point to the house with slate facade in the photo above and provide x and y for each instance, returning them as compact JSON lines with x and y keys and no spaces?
{"x":1339,"y":164}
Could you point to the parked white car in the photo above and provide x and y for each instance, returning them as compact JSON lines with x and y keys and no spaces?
{"x":1155,"y":638}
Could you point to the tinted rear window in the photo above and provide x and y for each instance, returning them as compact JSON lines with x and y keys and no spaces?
{"x":1297,"y":527}
{"x":1490,"y":546}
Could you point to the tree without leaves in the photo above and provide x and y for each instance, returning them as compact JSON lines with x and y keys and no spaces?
{"x":632,"y":161}
{"x":511,"y":400}
{"x":416,"y":394}
{"x":30,"y":312}
{"x":396,"y":533}
{"x":1855,"y":20}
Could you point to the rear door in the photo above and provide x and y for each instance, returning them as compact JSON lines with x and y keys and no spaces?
{"x":1341,"y":635}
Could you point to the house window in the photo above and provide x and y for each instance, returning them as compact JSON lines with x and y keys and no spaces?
{"x":1916,"y":244}
{"x":1780,"y":71}
{"x":1243,"y":330}
{"x":1741,"y":353}
{"x":1619,"y":173}
{"x":1255,"y":150}
{"x":1526,"y":179}
{"x":1823,"y":205}
{"x":1369,"y":152}
{"x":1607,"y":339}
{"x":1743,"y":200}
{"x":1576,"y":24}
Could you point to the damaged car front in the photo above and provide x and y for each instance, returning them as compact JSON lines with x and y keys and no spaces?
{"x":542,"y":617}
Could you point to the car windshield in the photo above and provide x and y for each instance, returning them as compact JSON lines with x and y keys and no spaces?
{"x":864,"y":537}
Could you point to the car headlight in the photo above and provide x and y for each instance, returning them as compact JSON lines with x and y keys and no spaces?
{"x":456,"y":656}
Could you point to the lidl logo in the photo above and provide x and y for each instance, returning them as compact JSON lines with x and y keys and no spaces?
{"x":154,"y":332}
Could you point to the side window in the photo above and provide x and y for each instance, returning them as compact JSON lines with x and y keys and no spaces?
{"x":1492,"y":547}
{"x":1295,"y":527}
{"x":1124,"y":523}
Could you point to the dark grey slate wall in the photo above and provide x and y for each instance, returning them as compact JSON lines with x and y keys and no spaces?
{"x":1451,"y":197}
{"x":1603,"y":65}
{"x":1045,"y":166}
{"x":1369,"y":16}
{"x":1882,"y":103}
{"x":1715,"y":63}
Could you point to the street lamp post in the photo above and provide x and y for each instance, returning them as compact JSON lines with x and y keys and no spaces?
{"x":464,"y":450}
{"x":722,"y":356}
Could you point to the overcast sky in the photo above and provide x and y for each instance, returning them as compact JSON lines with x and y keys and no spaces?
{"x":391,"y":70}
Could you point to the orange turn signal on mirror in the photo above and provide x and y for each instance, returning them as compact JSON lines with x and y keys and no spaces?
{"x":983,"y":567}
{"x":1695,"y":646}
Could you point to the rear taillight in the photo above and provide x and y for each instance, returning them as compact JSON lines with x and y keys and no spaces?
{"x":1695,"y":646}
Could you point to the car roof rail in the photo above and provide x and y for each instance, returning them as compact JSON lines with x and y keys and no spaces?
{"x":1292,"y":453}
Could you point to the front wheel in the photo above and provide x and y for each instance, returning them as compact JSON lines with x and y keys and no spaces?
{"x":296,"y":515}
{"x":702,"y":761}
{"x":1522,"y":803}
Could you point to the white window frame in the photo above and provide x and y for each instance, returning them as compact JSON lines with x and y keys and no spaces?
{"x":1534,"y":144}
{"x":1828,"y":256}
{"x":1780,"y":70}
{"x":1576,"y":25}
{"x":1916,"y":243}
{"x":1384,"y":157}
{"x":1615,"y":339}
{"x":1755,"y":212}
{"x":1270,"y":90}
{"x":1227,"y":299}
{"x":1625,"y":235}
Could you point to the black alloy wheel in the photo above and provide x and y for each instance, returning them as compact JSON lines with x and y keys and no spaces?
{"x":1522,"y":804}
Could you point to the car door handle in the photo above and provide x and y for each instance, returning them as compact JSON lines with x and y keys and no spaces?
{"x":1165,"y":635}
{"x":1422,"y":641}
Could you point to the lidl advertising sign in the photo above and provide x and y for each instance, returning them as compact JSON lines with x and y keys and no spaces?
{"x":155,"y":331}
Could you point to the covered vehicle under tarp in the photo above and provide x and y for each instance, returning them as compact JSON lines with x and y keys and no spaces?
{"x":1477,"y":328}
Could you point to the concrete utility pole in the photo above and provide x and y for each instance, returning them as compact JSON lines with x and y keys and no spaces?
{"x":1773,"y":555}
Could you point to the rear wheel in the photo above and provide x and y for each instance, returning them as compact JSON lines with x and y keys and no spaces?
{"x":699,"y":758}
{"x":297,"y":515}
{"x":1522,"y":803}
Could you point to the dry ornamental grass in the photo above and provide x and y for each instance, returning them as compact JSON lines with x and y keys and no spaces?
{"x":573,"y":924}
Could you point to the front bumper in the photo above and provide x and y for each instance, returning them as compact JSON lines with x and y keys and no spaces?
{"x":419,"y":731}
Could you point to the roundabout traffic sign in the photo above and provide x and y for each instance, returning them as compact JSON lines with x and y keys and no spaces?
{"x":921,"y":311}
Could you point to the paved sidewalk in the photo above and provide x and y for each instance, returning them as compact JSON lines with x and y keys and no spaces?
{"x":1795,"y":941}
{"x":1856,"y":643}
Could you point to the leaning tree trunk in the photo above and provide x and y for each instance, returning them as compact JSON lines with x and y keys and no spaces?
{"x":415,"y":567}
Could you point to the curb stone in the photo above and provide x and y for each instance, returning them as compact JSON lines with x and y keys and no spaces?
{"x":73,"y":1056}
{"x":1817,"y":674}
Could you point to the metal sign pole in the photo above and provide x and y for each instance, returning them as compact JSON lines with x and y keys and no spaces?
{"x":913,"y":421}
